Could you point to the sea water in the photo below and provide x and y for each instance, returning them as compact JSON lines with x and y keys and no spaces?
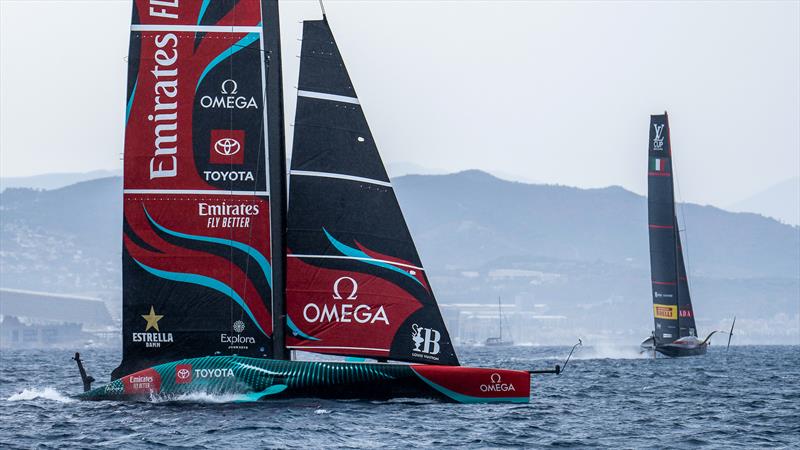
{"x":608,"y":397}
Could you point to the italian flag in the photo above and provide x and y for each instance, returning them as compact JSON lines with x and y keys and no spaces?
{"x":658,"y":164}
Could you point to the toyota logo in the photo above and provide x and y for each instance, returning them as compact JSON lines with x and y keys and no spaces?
{"x":227,"y":146}
{"x":495,"y":378}
{"x":184,"y":374}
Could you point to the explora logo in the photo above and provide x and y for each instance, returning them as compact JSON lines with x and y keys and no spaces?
{"x":426,"y":340}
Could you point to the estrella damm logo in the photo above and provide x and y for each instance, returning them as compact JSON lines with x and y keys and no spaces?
{"x":669,"y":312}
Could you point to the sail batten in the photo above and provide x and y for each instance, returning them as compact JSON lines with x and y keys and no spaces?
{"x":332,"y":97}
{"x":340,"y":176}
{"x":198,"y":28}
{"x":357,"y":258}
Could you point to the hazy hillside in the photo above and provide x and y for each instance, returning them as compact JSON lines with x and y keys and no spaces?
{"x":781,"y":201}
{"x":64,"y":240}
{"x":554,"y":251}
{"x":54,"y":180}
{"x":471,"y":217}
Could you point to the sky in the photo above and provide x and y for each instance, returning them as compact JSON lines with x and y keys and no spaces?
{"x":552,"y":92}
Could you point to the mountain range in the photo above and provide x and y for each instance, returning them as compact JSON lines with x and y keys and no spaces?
{"x":577,"y":255}
{"x":54,"y":180}
{"x":781,"y":201}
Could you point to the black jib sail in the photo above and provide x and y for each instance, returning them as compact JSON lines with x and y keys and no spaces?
{"x":355,"y":284}
{"x":202,"y":109}
{"x":672,"y":307}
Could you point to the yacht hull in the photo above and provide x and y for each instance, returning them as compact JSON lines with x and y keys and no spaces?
{"x":251,"y":379}
{"x":678,"y":351}
{"x":675,"y":350}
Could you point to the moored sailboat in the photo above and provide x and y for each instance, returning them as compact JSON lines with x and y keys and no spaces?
{"x":219,"y":282}
{"x":498,"y":341}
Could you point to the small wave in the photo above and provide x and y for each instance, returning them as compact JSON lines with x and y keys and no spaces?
{"x":322,"y":411}
{"x":409,"y":400}
{"x":45,"y":394}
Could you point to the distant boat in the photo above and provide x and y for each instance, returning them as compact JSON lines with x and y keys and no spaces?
{"x":675,"y":331}
{"x":498,"y":341}
{"x":221,"y":280}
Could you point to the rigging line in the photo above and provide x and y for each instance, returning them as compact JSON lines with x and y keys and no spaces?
{"x":685,"y":226}
{"x":257,"y":165}
{"x":262,"y":126}
{"x":231,"y":311}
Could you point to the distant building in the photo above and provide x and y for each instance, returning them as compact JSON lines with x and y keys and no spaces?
{"x":31,"y":319}
{"x":472,"y":323}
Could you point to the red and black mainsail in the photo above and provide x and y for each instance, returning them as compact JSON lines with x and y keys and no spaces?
{"x":355,"y":283}
{"x":203,"y":119}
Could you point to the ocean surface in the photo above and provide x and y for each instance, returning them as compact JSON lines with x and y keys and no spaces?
{"x":748,"y":397}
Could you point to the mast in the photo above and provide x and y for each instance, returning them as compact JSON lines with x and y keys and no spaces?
{"x":664,"y":238}
{"x":276,"y":154}
{"x":678,"y":250}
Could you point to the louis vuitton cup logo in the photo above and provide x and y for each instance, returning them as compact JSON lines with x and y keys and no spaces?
{"x":426,"y":340}
{"x":658,"y":140}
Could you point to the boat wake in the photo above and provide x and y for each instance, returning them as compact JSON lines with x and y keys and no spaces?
{"x":610,"y":352}
{"x":44,"y":394}
{"x":200,"y":397}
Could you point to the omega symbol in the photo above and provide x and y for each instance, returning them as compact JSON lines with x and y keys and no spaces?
{"x":223,"y":88}
{"x":353,"y":294}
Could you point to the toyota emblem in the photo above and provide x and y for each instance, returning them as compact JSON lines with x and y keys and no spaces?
{"x":227,"y":146}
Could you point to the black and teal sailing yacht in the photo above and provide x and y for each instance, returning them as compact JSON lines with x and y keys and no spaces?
{"x":675,"y":331}
{"x":221,"y":280}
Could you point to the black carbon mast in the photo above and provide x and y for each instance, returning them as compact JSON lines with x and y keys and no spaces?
{"x":277,"y":173}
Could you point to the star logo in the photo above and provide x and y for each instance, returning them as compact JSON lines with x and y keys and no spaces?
{"x":152,"y":319}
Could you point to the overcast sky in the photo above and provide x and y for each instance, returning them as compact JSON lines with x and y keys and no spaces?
{"x":556,"y":92}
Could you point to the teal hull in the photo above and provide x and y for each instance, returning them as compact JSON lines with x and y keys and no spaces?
{"x":251,"y":379}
